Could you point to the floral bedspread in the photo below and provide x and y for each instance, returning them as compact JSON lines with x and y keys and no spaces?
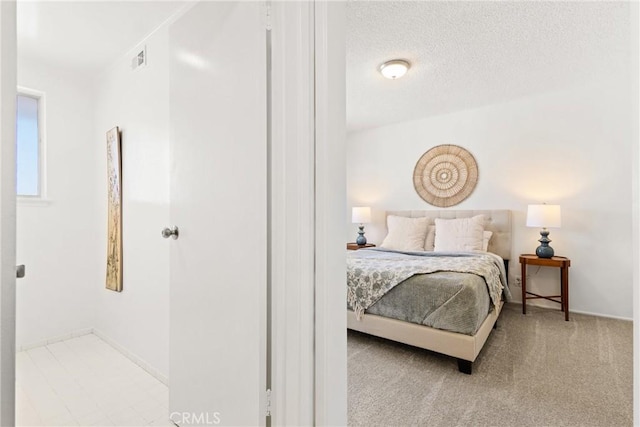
{"x":371,"y":273}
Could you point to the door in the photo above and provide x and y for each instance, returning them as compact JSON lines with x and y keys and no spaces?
{"x":7,"y":211}
{"x":218,"y":203}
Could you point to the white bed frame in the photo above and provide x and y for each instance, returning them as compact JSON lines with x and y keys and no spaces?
{"x":463,"y":347}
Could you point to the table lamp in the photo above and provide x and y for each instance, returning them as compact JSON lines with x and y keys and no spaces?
{"x":361,"y":215}
{"x":545,"y":216}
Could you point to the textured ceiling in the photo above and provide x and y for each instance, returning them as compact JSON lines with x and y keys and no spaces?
{"x":469,"y":54}
{"x":86,"y":36}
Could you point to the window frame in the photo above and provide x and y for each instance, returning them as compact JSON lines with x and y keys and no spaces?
{"x":41,"y":198}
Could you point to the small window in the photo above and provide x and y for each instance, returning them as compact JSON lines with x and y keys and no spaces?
{"x":28,"y":147}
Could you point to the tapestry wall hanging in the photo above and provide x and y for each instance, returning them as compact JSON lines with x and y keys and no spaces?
{"x":445,"y":175}
{"x":114,"y":214}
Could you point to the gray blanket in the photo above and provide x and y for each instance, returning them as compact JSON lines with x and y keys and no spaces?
{"x":372,"y":273}
{"x":456,"y":302}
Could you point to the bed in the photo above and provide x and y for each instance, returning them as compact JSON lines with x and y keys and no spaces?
{"x":451,"y":313}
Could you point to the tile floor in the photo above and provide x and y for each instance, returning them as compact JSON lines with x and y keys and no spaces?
{"x":84,"y":381}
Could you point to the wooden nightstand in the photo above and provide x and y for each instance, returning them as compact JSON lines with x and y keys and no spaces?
{"x":355,"y":246}
{"x":556,"y":261}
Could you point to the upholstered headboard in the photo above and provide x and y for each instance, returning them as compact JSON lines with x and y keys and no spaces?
{"x":499,"y":222}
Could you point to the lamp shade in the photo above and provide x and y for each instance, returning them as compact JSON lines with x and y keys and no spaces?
{"x":546,"y":216}
{"x":361,"y":215}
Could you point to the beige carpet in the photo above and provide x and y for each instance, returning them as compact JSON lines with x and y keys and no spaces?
{"x":535,"y":370}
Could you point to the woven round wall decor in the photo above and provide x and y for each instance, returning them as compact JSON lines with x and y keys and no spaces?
{"x":445,"y":175}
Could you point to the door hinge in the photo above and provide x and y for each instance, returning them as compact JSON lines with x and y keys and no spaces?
{"x":268,"y":403}
{"x":268,"y":16}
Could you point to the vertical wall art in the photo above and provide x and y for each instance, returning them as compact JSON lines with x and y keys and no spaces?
{"x":114,"y":215}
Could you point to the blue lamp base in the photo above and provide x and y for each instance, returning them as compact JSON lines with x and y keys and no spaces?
{"x":544,"y":250}
{"x":361,"y":240}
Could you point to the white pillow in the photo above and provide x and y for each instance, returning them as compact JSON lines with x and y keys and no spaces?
{"x":486,"y":236}
{"x":459,"y":235}
{"x":431,"y":238}
{"x":429,"y":243}
{"x":405,"y":234}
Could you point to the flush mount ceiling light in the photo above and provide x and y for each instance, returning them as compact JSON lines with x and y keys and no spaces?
{"x":394,"y":69}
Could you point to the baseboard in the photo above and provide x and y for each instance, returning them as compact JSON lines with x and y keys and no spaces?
{"x":64,"y":337}
{"x":586,"y":313}
{"x":133,"y":357}
{"x":607,"y":316}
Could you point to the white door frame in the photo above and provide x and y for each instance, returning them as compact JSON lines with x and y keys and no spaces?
{"x":292,"y":216}
{"x":308,"y":208}
{"x":330,"y":165}
{"x":8,"y":85}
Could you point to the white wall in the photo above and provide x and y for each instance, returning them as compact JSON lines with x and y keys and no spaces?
{"x":59,"y":241}
{"x":138,"y":102}
{"x":571,"y":147}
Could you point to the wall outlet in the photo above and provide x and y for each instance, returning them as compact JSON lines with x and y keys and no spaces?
{"x":518,"y":281}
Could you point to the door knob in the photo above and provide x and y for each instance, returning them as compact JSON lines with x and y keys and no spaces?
{"x":172,"y":232}
{"x":20,"y":271}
